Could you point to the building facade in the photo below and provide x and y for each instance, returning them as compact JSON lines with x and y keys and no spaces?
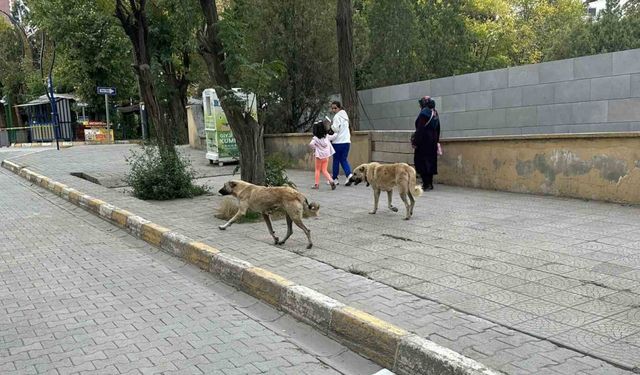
{"x":5,"y":7}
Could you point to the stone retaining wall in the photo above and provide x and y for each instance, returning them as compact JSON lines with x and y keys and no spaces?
{"x":601,"y":166}
{"x":599,"y":93}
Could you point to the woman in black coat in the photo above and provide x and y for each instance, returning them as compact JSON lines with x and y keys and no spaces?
{"x":425,"y":142}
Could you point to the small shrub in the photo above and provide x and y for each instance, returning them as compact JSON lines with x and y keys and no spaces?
{"x":275,"y":170}
{"x":275,"y":166}
{"x":161,"y":175}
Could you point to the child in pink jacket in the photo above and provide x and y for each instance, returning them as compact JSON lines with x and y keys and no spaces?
{"x":322,"y":150}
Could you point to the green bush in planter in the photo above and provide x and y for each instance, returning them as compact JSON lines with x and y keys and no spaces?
{"x":161,"y":175}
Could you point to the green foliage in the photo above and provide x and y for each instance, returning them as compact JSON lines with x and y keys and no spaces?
{"x":545,"y":29}
{"x":286,"y":53}
{"x":275,"y":166}
{"x":412,"y":40}
{"x":632,"y":8}
{"x":19,"y":81}
{"x":11,"y":73}
{"x":446,"y":40}
{"x":91,"y":48}
{"x":611,"y":31}
{"x":393,"y":27}
{"x":161,"y":175}
{"x":276,"y":170}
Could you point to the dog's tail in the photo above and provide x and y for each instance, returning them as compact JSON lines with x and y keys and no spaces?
{"x":311,"y":209}
{"x":416,"y":191}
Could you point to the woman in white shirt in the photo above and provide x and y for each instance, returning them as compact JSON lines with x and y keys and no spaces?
{"x":342,"y":142}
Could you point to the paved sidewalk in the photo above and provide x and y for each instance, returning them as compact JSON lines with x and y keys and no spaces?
{"x":524,"y":284}
{"x":78,"y":295}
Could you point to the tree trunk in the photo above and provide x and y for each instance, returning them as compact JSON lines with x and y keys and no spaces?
{"x":251,"y":146}
{"x":177,"y":103}
{"x":3,"y":118}
{"x":247,"y":131}
{"x":178,"y":115}
{"x":344,"y":22}
{"x":135,"y":25}
{"x":17,"y":120}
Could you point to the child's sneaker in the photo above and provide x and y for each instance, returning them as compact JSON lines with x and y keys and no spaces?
{"x":315,"y":187}
{"x":349,"y":182}
{"x":333,"y":186}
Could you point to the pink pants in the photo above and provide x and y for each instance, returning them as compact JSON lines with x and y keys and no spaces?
{"x":321,"y":166}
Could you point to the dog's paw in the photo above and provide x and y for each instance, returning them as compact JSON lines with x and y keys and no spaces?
{"x":276,"y":240}
{"x":222,"y":227}
{"x":407,"y":218}
{"x":372,"y":212}
{"x":394,"y":209}
{"x":309,"y":246}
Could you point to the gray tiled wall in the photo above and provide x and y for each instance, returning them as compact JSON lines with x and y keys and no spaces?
{"x":598,"y":93}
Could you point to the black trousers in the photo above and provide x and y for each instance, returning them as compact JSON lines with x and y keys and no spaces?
{"x":427,"y":181}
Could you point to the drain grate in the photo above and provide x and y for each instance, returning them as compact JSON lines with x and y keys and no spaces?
{"x":108,"y":180}
{"x":85,"y":176}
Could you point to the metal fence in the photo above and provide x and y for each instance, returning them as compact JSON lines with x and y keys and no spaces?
{"x":36,"y":133}
{"x":46,"y":132}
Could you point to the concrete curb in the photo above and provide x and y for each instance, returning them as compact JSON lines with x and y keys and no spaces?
{"x":384,"y":343}
{"x":67,"y":144}
{"x":64,"y":144}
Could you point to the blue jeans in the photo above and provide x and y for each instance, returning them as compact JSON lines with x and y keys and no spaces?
{"x":340,"y":158}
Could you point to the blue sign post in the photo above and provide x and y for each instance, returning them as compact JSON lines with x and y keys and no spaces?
{"x":107,"y":91}
{"x":54,"y":111}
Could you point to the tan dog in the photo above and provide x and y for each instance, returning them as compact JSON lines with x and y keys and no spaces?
{"x":267,"y":199}
{"x":384,"y":177}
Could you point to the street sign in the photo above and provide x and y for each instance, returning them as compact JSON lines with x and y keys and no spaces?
{"x":107,"y":91}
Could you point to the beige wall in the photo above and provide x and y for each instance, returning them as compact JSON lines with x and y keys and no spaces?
{"x":295,"y":147}
{"x":591,"y":166}
{"x":195,"y":129}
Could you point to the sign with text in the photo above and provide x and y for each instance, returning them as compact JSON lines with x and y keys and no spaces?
{"x":221,"y":144}
{"x":98,"y":135}
{"x":96,"y":124}
{"x":111,"y":91}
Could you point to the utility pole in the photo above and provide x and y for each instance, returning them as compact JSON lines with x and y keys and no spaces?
{"x":106,"y":109}
{"x":54,"y":111}
{"x":107,"y":91}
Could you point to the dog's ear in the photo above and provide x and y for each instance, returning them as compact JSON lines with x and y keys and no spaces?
{"x":232,"y":184}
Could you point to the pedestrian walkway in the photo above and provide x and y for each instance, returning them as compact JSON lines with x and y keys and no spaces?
{"x":78,"y":295}
{"x":524,"y":284}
